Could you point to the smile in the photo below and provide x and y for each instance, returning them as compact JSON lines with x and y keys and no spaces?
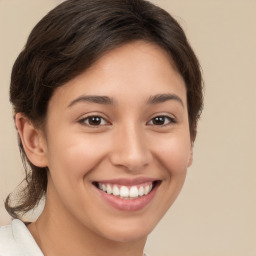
{"x":127,"y":195}
{"x":126,"y":192}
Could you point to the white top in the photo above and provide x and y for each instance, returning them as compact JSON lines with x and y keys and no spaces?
{"x":16,"y":240}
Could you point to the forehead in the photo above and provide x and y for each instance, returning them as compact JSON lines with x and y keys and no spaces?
{"x":137,"y":68}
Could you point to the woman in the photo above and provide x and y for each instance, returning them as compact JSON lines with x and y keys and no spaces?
{"x":106,"y":98}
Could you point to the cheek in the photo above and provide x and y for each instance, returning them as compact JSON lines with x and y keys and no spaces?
{"x":74,"y":156}
{"x":174,"y":153}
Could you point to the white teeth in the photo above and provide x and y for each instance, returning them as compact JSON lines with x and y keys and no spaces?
{"x":104,"y":188}
{"x":133,"y":192}
{"x":147,"y":189}
{"x":141,"y":191}
{"x":116,"y":191}
{"x":109,"y":189}
{"x":124,"y":191}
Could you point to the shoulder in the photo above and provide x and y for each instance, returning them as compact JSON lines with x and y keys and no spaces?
{"x":16,"y":240}
{"x":7,"y":241}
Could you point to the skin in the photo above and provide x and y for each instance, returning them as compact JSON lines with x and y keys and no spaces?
{"x":127,"y":143}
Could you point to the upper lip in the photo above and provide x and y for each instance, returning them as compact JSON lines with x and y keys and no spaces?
{"x":128,"y":181}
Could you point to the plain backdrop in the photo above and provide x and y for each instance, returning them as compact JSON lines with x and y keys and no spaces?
{"x":215,"y":213}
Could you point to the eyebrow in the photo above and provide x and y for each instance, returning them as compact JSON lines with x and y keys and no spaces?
{"x":104,"y":100}
{"x":160,"y":98}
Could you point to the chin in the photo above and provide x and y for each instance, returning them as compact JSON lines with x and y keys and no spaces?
{"x":130,"y":236}
{"x":129,"y":231}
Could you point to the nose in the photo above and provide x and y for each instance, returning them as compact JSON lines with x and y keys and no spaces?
{"x":130,"y":149}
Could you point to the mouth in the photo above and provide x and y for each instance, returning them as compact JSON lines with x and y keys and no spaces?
{"x":127,"y":192}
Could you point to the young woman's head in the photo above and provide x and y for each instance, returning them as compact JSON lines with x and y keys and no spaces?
{"x":106,"y":96}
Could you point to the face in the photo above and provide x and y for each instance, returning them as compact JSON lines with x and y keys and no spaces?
{"x":118,"y":144}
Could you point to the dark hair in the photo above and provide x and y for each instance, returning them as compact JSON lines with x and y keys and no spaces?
{"x":68,"y":40}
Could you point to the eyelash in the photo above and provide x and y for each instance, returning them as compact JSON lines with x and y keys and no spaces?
{"x":167,"y":120}
{"x":86,"y":121}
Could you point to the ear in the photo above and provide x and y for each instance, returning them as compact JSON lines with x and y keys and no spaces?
{"x":190,"y":159}
{"x":33,"y":140}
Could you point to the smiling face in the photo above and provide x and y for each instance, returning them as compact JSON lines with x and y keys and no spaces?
{"x":117,"y":144}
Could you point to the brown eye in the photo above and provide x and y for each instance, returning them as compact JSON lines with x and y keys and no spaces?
{"x":161,"y":120}
{"x":93,"y":121}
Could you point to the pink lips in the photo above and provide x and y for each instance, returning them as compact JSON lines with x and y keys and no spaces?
{"x":128,"y":182}
{"x":134,"y":204}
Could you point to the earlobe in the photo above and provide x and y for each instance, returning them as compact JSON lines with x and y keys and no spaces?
{"x":32,"y":139}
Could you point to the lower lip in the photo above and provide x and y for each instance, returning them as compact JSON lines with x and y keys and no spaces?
{"x":129,"y":204}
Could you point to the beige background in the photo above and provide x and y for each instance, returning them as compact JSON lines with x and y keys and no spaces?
{"x":216,"y":211}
